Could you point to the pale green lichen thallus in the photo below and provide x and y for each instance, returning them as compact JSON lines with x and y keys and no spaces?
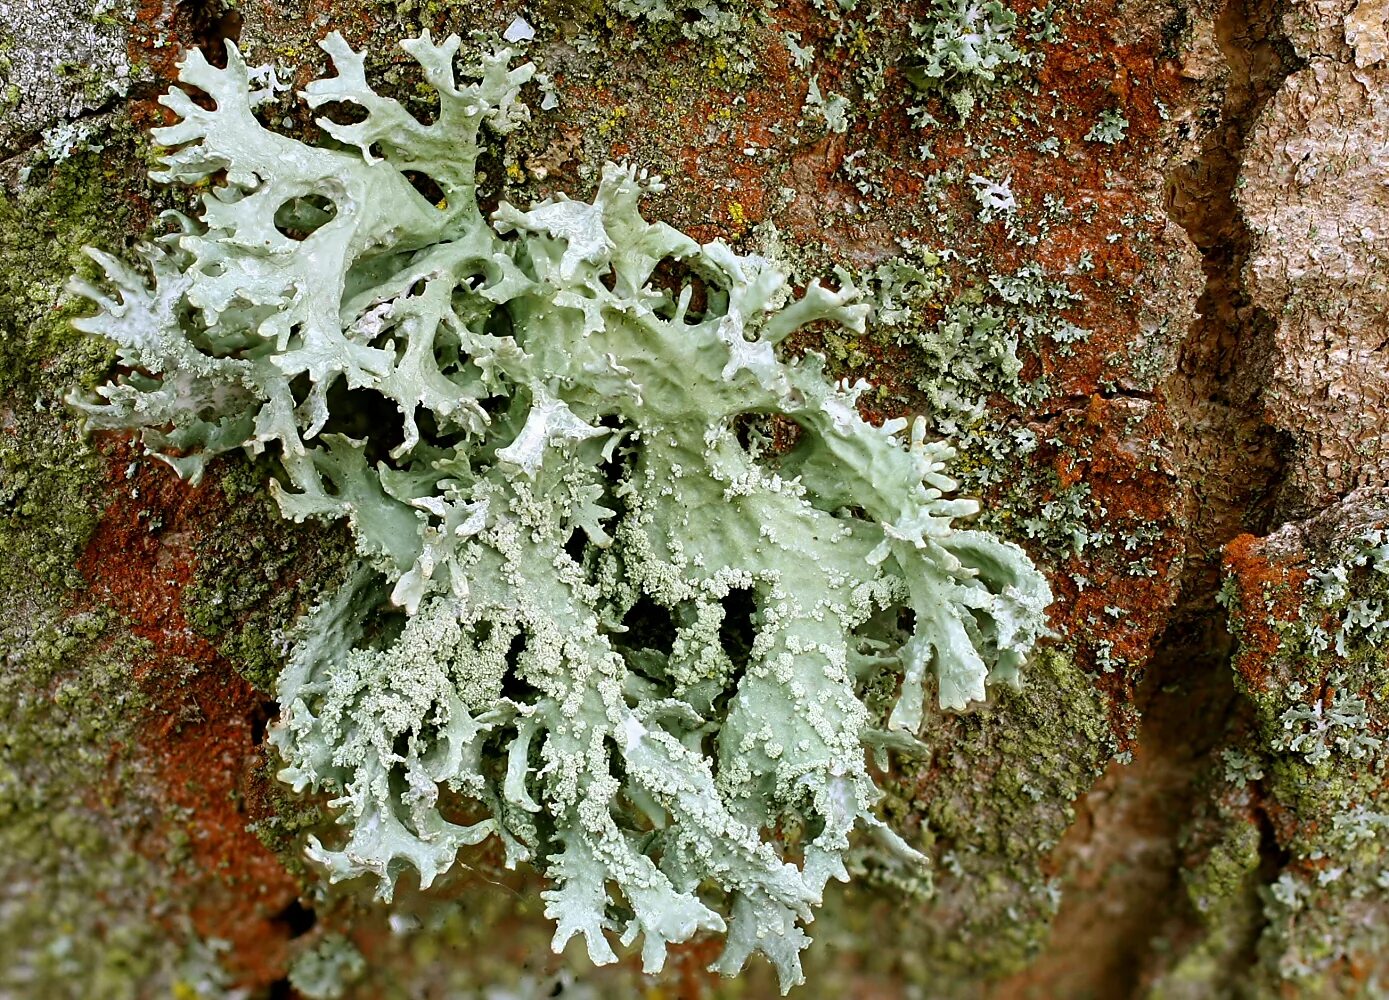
{"x":591,"y":599}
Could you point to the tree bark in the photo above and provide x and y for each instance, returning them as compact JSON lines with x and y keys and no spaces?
{"x":1188,"y":796}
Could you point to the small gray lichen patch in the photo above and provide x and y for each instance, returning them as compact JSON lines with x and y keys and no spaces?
{"x":964,"y":47}
{"x":593,"y":604}
{"x":326,"y":970}
{"x":58,"y":60}
{"x":1318,"y":752}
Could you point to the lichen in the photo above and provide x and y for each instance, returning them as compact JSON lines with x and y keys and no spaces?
{"x":964,"y":47}
{"x":715,"y":19}
{"x":1110,"y":128}
{"x":1309,"y":611}
{"x":325,"y":971}
{"x":593,"y":606}
{"x":59,"y":59}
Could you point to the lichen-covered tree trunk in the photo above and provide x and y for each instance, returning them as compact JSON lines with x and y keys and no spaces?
{"x":1129,"y":259}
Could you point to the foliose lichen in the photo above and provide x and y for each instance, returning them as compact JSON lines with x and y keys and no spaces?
{"x":685,"y":18}
{"x":594,"y":609}
{"x":964,"y":47}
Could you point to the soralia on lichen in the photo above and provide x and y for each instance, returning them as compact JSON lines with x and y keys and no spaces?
{"x":591,"y":600}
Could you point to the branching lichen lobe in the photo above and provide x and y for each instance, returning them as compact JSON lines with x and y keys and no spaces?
{"x":558,"y":531}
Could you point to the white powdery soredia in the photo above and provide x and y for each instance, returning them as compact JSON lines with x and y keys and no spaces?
{"x":589,"y":601}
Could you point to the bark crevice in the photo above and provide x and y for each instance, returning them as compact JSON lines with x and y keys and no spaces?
{"x":1132,"y":909}
{"x":1234,"y":463}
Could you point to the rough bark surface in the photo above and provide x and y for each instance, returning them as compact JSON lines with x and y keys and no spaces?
{"x":1312,"y":192}
{"x":1189,"y":797}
